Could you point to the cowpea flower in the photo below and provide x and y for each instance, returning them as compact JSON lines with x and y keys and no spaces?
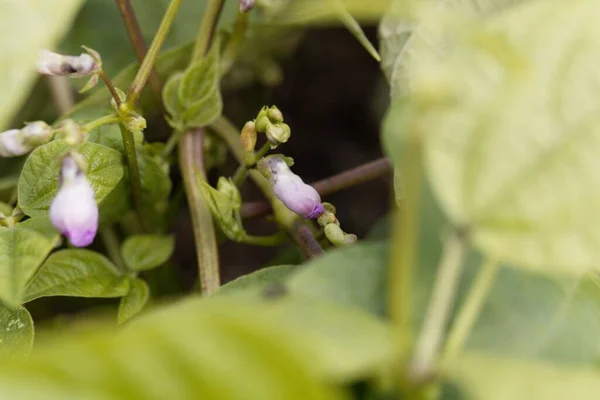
{"x":50,"y":63}
{"x":246,"y":5}
{"x":290,"y":189}
{"x":74,"y":211}
{"x":17,"y":142}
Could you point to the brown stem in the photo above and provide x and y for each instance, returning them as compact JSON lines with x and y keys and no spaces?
{"x":191,"y":161}
{"x":352,"y":177}
{"x":137,"y":40}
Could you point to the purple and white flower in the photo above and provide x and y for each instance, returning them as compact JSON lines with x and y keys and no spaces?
{"x":50,"y":63}
{"x":288,"y":187}
{"x":74,"y":211}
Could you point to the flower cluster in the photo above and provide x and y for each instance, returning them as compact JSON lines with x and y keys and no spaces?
{"x":288,"y":187}
{"x":85,"y":64}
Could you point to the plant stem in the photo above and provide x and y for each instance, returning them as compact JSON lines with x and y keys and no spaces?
{"x":134,"y":175}
{"x":471,"y":307}
{"x":242,"y":172}
{"x":233,"y":45}
{"x":439,"y":309}
{"x":343,"y":180}
{"x":137,"y":40}
{"x":62,"y":93}
{"x":207,"y":28}
{"x":113,"y":247}
{"x":191,"y":156}
{"x":105,"y":120}
{"x":271,"y":240}
{"x":148,"y":64}
{"x":296,"y":228}
{"x":110,"y":86}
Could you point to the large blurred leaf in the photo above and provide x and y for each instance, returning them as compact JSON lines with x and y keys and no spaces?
{"x":486,"y":377}
{"x":79,"y":273}
{"x":39,"y":180}
{"x":405,"y":30}
{"x":27,"y":26}
{"x":210,"y":349}
{"x":16,"y":332}
{"x":21,"y":253}
{"x":497,"y":92}
{"x":258,"y":279}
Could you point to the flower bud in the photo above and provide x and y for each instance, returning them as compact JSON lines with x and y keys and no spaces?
{"x":74,"y":211}
{"x":36,"y":133}
{"x":50,"y":63}
{"x":338,"y":237}
{"x":135,"y":122}
{"x":248,"y":136}
{"x":290,"y":189}
{"x":246,"y":5}
{"x":228,"y":188}
{"x":277,"y":134}
{"x":275,"y":115}
{"x":262,"y":122}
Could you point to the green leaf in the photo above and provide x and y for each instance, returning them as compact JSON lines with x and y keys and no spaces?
{"x":78,"y":273}
{"x":39,"y":180}
{"x":198,"y":92}
{"x":534,"y":211}
{"x":143,"y":252}
{"x":198,"y":348}
{"x":352,"y":276}
{"x":21,"y":253}
{"x":16,"y":332}
{"x":41,"y":225}
{"x":156,"y":185}
{"x":171,"y":99}
{"x":37,"y":24}
{"x":486,"y":377}
{"x":135,"y":300}
{"x":259,"y":279}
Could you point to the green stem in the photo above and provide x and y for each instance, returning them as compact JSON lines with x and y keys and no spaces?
{"x":471,"y":307}
{"x":242,"y":172}
{"x":171,"y":143}
{"x":148,"y":64}
{"x":270,"y":240}
{"x":233,"y":45}
{"x":110,"y":86}
{"x":134,"y":174}
{"x":105,"y":120}
{"x":439,"y":309}
{"x":207,"y":28}
{"x":404,"y":249}
{"x":191,"y":155}
{"x":113,"y":247}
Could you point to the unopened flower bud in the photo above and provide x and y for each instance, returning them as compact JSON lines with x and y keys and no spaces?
{"x":278,"y":134}
{"x":246,"y":5}
{"x":50,"y":63}
{"x":228,"y":188}
{"x":275,"y":115}
{"x":338,"y":237}
{"x":248,"y":136}
{"x":74,"y":211}
{"x":328,"y":218}
{"x":72,"y":132}
{"x":261,"y":124}
{"x":290,"y":189}
{"x":135,"y":122}
{"x":36,"y":133}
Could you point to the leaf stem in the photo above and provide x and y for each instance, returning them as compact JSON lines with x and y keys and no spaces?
{"x":344,"y":180}
{"x":288,"y":220}
{"x":137,"y":41}
{"x":148,"y":64}
{"x":110,"y":86}
{"x":113,"y":247}
{"x":191,"y":157}
{"x":270,"y":240}
{"x":439,"y":309}
{"x":469,"y":311}
{"x":105,"y":120}
{"x":134,"y":175}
